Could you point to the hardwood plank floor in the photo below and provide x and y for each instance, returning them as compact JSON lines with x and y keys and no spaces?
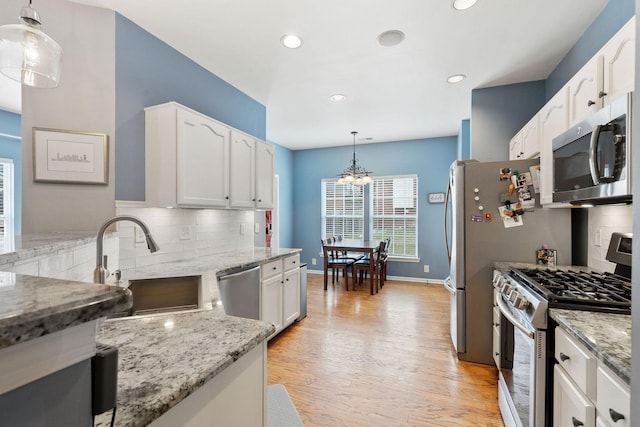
{"x":381,"y":360}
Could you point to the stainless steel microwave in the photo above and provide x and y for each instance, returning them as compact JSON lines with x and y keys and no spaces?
{"x":592,"y":160}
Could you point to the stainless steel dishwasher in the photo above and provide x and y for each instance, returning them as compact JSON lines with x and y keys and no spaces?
{"x":240,"y":293}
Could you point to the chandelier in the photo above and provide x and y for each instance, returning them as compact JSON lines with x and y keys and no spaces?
{"x":27,"y":54}
{"x":355,"y":174}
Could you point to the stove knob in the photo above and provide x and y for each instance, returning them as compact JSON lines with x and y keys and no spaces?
{"x":506,"y":288}
{"x":513,"y":296}
{"x":521,"y":304}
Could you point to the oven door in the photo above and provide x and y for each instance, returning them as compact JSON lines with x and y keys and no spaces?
{"x":521,"y":380}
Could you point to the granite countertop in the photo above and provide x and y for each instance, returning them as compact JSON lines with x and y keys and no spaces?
{"x":607,"y":335}
{"x":164,"y":358}
{"x":36,"y":244}
{"x":31,"y":306}
{"x":218,"y":263}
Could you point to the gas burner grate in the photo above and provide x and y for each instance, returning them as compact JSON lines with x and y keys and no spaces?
{"x":582,"y":288}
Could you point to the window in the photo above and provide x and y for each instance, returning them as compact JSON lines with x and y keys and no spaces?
{"x":394,"y":213}
{"x":6,"y":205}
{"x":342,"y":210}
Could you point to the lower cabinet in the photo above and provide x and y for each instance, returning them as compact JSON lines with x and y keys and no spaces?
{"x":585,"y":392}
{"x":280,"y":287}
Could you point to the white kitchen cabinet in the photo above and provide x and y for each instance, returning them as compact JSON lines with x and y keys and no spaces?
{"x":252,"y":172}
{"x":265,"y":172}
{"x":584,"y":89}
{"x":554,"y":119}
{"x":585,"y":389}
{"x":280,"y":283}
{"x":271,"y":303}
{"x":531,"y":138}
{"x":613,"y":401}
{"x":242,"y":189}
{"x":619,"y":63}
{"x":291,"y":296}
{"x":516,"y":149}
{"x":570,"y":406}
{"x":186,"y":158}
{"x":194,"y":161}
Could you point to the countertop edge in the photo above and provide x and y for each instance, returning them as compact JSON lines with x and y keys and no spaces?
{"x":612,"y":361}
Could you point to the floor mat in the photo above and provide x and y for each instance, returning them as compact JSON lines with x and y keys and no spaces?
{"x":280,"y":409}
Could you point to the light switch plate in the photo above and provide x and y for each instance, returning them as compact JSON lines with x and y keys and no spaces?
{"x":242,"y":231}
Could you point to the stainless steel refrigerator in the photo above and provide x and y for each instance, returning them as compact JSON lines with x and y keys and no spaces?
{"x":477,"y":237}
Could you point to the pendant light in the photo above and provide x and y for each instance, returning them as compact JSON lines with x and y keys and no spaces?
{"x":28,"y":55}
{"x":355,"y":174}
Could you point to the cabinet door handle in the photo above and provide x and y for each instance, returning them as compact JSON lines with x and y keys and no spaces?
{"x":615,"y":416}
{"x":590,"y":103}
{"x":602,"y":94}
{"x":275,"y":268}
{"x":576,"y":422}
{"x":226,"y":197}
{"x":564,"y":357}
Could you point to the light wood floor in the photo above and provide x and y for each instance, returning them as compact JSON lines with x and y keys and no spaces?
{"x":381,"y":360}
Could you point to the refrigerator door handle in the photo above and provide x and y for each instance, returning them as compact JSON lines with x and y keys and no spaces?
{"x":446,"y":210}
{"x":448,"y":285}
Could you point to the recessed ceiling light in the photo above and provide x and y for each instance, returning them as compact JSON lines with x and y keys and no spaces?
{"x":338,"y":97}
{"x":463,"y":4}
{"x":390,"y":38}
{"x":456,"y":78}
{"x":291,"y":41}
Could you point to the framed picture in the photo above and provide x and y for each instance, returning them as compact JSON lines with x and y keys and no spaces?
{"x":71,"y":157}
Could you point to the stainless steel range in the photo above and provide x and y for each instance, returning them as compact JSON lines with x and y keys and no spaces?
{"x":522,"y":337}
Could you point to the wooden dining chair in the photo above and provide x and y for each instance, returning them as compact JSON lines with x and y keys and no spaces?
{"x":383,"y":261}
{"x":362,"y":266}
{"x":336,"y":263}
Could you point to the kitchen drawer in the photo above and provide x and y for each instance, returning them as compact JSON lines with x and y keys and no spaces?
{"x":577,"y":361}
{"x":613,"y":399}
{"x":271,"y":269}
{"x":292,"y":262}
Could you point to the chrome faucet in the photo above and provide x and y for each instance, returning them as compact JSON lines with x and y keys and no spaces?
{"x":101,"y":273}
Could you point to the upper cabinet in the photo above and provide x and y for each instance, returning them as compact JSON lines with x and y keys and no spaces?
{"x":265,"y":172}
{"x":252,"y":172}
{"x":618,"y":58}
{"x":554,"y":119}
{"x":584,"y":90}
{"x":194,"y":161}
{"x":526,"y":143}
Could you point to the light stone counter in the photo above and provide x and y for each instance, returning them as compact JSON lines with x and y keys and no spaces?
{"x":37,"y":244}
{"x":607,"y":335}
{"x":31,"y":307}
{"x":162,"y":359}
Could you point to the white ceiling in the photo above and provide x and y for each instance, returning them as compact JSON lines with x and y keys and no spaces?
{"x":394,"y":93}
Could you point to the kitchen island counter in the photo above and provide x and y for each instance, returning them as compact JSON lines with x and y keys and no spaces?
{"x":165,"y":358}
{"x":607,"y":335}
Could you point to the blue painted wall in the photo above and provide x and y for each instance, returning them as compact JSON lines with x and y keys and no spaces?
{"x":428,"y":158}
{"x":615,"y":14}
{"x":284,"y":169}
{"x":498,"y":113}
{"x":11,"y":148}
{"x":464,"y":140}
{"x":150,"y":72}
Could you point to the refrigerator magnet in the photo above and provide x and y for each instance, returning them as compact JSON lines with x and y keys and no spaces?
{"x":476,"y":218}
{"x":488,"y":216}
{"x":505,"y":174}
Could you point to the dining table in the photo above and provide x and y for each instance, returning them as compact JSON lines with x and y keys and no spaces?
{"x":355,"y":245}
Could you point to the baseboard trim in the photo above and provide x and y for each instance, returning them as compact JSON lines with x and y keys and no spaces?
{"x":422,"y":280}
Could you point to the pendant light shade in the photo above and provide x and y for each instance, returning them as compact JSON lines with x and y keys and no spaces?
{"x":27,"y":54}
{"x":355,"y":174}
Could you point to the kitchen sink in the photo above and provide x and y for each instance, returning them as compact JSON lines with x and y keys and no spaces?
{"x":162,"y":295}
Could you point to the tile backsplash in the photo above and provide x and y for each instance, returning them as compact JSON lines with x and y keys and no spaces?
{"x":182,"y":233}
{"x":603,"y":222}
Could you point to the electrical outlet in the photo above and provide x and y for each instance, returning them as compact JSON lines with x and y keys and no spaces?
{"x":256,"y":228}
{"x":426,"y":268}
{"x":597,"y":237}
{"x":139,"y":235}
{"x":185,"y":232}
{"x":313,"y":261}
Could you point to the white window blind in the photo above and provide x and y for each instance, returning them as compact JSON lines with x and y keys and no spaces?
{"x":342,"y":210}
{"x":394,"y":213}
{"x":6,"y":206}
